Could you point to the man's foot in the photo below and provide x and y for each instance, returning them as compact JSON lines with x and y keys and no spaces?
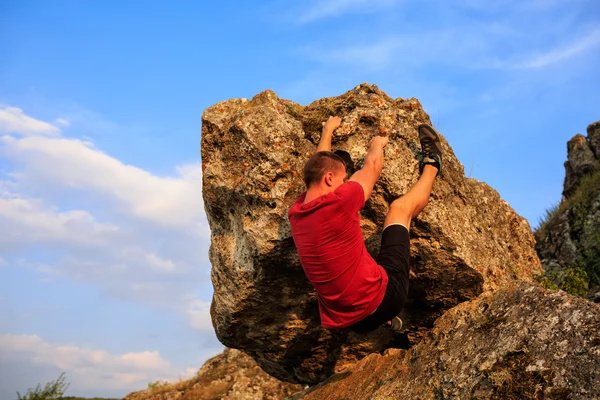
{"x":395,"y":324}
{"x":431,"y":148}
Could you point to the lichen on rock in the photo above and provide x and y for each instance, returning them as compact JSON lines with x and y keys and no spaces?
{"x":521,"y":342}
{"x":466,"y":241}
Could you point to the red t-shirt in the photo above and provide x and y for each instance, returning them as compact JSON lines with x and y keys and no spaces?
{"x":349,"y":283}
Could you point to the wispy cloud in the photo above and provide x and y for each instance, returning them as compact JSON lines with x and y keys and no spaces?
{"x":580,"y":45}
{"x":465,"y":35}
{"x":481,"y":48}
{"x":62,"y":121}
{"x":320,"y":9}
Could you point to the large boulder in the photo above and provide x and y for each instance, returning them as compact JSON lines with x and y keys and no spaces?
{"x":466,"y":241}
{"x":521,"y":342}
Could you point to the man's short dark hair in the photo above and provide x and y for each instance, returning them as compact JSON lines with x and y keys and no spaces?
{"x":319,"y":164}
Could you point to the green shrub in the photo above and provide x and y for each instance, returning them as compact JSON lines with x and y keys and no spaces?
{"x":158,"y":386}
{"x":575,"y":281}
{"x":546,"y":281}
{"x":52,"y":390}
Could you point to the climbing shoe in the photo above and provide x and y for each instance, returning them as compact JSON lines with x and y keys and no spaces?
{"x":395,"y":324}
{"x":431,"y":149}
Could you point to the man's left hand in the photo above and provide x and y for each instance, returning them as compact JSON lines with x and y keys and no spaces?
{"x":332,"y":124}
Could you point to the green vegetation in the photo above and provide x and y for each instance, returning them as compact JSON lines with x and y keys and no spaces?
{"x":53,"y":390}
{"x":577,"y":279}
{"x":159,"y":386}
{"x":85,"y":398}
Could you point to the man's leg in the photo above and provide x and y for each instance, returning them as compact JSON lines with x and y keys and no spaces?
{"x":405,"y":208}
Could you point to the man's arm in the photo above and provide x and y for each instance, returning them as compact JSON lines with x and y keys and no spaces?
{"x":368,"y":175}
{"x":328,"y":127}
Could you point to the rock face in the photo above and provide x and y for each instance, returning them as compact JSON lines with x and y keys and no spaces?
{"x":581,"y":161}
{"x":518,"y":343}
{"x":467,"y":239}
{"x":568,"y":242}
{"x":232,"y":375}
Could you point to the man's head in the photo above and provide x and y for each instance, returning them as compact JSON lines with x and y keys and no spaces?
{"x":325,"y":169}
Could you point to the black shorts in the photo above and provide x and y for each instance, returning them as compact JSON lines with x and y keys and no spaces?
{"x":394,"y":257}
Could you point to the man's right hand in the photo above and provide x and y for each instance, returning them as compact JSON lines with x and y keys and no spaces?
{"x":378,"y":142}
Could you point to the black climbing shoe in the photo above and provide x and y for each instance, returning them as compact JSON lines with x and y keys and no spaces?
{"x":431,"y":149}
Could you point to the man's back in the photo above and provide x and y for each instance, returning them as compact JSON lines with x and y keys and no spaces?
{"x":332,"y":252}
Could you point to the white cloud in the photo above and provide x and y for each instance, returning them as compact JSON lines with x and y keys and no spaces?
{"x":72,"y":163}
{"x":90,"y":368}
{"x":89,"y":217}
{"x":26,"y":221}
{"x":13,"y":120}
{"x":151,"y":244}
{"x":159,"y":263}
{"x":198,"y":312}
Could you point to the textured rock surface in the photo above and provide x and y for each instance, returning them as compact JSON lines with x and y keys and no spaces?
{"x":581,"y":161}
{"x":232,"y":375}
{"x":569,"y":239}
{"x":519,"y":343}
{"x":466,"y":241}
{"x":593,"y":133}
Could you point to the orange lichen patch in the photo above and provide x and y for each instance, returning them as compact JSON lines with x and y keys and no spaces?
{"x":284,"y":166}
{"x":383,"y":131}
{"x":245,"y":166}
{"x":415,"y":104}
{"x":379,"y":102}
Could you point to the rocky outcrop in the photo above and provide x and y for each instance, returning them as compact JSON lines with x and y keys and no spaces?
{"x":518,"y":343}
{"x":581,"y":161}
{"x":568,"y":242}
{"x":466,"y":241}
{"x":231,"y":375}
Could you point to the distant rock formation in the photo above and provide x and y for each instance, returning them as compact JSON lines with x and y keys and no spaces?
{"x":466,"y":241}
{"x":232,"y":375}
{"x":568,"y":242}
{"x":521,"y":342}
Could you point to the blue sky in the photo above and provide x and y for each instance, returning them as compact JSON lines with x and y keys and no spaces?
{"x":104,"y":272}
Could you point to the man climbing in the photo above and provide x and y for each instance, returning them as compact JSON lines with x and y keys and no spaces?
{"x":353,"y":289}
